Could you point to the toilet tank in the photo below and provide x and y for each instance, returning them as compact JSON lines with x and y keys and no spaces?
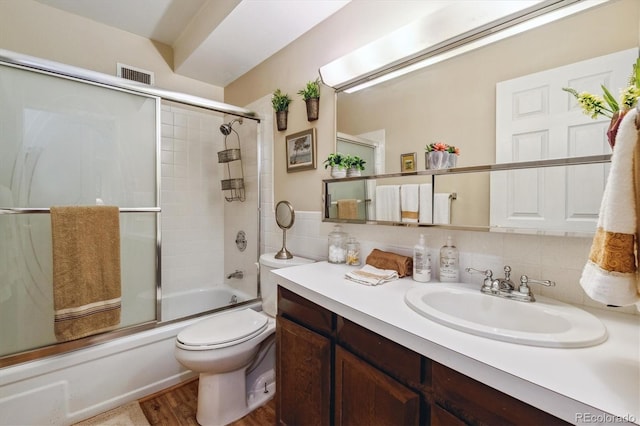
{"x":268,"y":285}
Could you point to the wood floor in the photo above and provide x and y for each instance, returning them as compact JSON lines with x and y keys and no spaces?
{"x":177,"y":406}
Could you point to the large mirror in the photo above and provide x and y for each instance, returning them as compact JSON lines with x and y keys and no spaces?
{"x":455,"y":102}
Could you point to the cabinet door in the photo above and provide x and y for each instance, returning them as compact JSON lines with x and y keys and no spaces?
{"x":303,"y":395}
{"x":366,"y":396}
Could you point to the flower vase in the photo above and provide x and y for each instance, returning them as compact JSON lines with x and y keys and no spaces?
{"x":337,"y":172}
{"x":612,"y":131}
{"x":281,"y":120}
{"x":353,"y":172}
{"x":453,"y":160}
{"x":438,"y":159}
{"x":313,"y":107}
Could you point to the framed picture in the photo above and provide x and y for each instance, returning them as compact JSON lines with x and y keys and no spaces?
{"x":408,"y":162}
{"x":301,"y":151}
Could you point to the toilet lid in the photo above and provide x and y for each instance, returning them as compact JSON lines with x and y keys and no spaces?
{"x":223,"y":329}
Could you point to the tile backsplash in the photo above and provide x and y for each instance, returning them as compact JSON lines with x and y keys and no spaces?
{"x":559,"y":259}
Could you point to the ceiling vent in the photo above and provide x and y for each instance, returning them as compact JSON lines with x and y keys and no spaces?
{"x":136,"y":74}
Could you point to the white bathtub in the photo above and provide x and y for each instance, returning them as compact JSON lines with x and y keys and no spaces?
{"x":185,"y":303}
{"x":64,"y":389}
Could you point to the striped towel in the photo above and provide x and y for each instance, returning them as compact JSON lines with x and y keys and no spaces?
{"x":611,"y":273}
{"x":86,"y":270}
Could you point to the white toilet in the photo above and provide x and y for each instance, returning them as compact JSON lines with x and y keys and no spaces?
{"x":234,"y":353}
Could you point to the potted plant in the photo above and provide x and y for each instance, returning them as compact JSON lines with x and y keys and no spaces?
{"x":336,"y":161}
{"x":311,"y":96}
{"x":354,"y":165}
{"x":436,"y":155}
{"x":280,"y":102}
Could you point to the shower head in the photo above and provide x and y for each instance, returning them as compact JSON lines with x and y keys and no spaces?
{"x":226,"y":129}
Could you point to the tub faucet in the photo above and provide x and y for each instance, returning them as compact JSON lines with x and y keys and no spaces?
{"x":236,"y":274}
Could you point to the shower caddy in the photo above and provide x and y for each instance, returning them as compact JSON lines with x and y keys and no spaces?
{"x":233,"y":184}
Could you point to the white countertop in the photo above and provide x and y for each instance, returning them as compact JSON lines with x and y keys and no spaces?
{"x":595,"y":385}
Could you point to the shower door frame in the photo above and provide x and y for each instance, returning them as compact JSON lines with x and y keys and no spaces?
{"x":56,"y":69}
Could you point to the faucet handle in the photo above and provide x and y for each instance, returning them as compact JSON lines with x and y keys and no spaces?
{"x":488,"y":273}
{"x":525,"y":280}
{"x":488,"y":278}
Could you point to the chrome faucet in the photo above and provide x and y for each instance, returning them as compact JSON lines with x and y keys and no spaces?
{"x":503,"y":284}
{"x":504,"y":287}
{"x":236,"y":274}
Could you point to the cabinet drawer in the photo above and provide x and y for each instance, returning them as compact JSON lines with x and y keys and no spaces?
{"x":304,"y":312}
{"x":390,"y":357}
{"x":477,"y":403}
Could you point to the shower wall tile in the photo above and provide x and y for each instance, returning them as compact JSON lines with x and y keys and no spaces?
{"x":192,"y":246}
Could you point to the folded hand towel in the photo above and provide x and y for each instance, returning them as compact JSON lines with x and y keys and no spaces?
{"x":442,"y":208}
{"x":409,"y":202}
{"x":425,"y":211}
{"x":370,"y":275}
{"x":347,"y":209}
{"x":388,"y":203}
{"x":611,"y":273}
{"x":86,"y":270}
{"x":403,"y":265}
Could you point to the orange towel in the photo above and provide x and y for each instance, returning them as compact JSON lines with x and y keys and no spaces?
{"x":86,"y":270}
{"x":387,"y":260}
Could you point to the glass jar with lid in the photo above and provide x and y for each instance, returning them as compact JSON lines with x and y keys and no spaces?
{"x":353,"y":252}
{"x":337,"y":245}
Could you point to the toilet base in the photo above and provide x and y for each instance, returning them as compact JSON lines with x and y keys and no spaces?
{"x":222,"y":398}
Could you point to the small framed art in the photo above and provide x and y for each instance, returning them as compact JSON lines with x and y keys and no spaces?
{"x":408,"y":162}
{"x":301,"y":151}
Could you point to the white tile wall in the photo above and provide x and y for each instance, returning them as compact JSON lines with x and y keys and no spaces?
{"x":191,"y":200}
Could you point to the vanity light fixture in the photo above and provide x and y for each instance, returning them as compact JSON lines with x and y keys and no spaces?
{"x":460,"y":27}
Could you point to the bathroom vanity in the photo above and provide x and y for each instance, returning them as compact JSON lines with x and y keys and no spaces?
{"x":353,"y":354}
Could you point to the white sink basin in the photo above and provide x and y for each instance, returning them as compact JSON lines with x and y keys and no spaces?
{"x":545,"y":322}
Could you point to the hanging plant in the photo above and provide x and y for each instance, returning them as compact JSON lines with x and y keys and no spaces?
{"x":311,"y":96}
{"x":280,"y":102}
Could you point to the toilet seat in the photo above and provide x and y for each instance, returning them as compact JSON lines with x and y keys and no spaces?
{"x":222,"y":330}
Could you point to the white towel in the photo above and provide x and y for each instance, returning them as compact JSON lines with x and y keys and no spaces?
{"x":611,"y":273}
{"x":409,"y":202}
{"x":426,"y":204}
{"x":388,"y":203}
{"x":370,"y":275}
{"x":442,"y":208}
{"x":370,"y":186}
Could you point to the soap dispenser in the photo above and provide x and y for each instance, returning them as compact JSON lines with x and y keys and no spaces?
{"x":449,"y":259}
{"x":421,"y":262}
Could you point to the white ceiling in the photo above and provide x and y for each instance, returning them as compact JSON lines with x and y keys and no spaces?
{"x":215,"y":41}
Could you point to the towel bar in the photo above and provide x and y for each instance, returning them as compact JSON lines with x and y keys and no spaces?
{"x":30,"y":210}
{"x":357,"y":201}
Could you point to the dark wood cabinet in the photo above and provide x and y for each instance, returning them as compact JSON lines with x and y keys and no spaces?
{"x":303,"y":376}
{"x":366,"y":396}
{"x":477,"y":403}
{"x":333,"y":371}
